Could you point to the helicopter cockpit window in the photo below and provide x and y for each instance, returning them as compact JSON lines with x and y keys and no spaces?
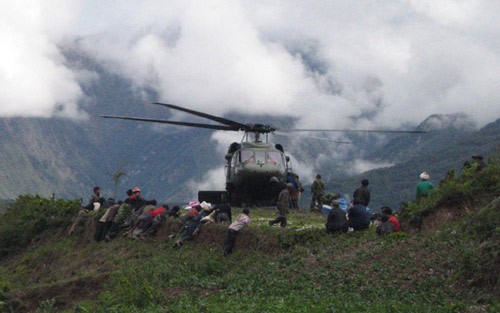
{"x":247,"y":156}
{"x":260,"y":157}
{"x":275,"y":158}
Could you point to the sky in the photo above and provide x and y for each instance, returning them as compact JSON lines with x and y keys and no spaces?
{"x":355,"y":64}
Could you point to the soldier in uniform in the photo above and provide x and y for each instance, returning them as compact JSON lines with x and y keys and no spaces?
{"x":283,"y":206}
{"x":317,"y":191}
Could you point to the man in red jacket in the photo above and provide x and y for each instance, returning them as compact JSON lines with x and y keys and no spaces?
{"x":388,"y":211}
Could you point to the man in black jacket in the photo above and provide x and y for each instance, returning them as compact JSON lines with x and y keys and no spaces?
{"x":337,"y":221}
{"x":362,"y":194}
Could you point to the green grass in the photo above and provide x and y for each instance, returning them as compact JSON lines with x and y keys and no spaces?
{"x":296,"y":269}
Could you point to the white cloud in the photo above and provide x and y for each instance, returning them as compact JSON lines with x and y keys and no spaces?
{"x":359,"y":166}
{"x":214,"y":179}
{"x":323,"y":62}
{"x":34,"y":80}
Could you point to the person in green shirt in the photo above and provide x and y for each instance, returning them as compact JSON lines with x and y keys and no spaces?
{"x":424,"y":187}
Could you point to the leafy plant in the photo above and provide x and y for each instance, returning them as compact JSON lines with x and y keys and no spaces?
{"x":29,"y":216}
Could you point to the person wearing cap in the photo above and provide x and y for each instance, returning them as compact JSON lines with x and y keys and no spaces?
{"x":337,"y":221}
{"x":241,"y":221}
{"x":283,"y":205}
{"x":137,"y":201}
{"x":317,"y":191}
{"x":424,"y":187}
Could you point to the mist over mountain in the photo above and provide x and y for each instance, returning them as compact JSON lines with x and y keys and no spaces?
{"x":68,"y":157}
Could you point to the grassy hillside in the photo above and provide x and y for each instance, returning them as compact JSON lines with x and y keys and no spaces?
{"x":447,"y":264}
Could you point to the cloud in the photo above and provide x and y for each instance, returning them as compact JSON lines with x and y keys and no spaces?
{"x":214,"y":179}
{"x":359,"y":64}
{"x":34,"y":80}
{"x":359,"y":166}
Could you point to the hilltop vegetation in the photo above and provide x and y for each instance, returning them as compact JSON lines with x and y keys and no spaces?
{"x":447,"y":261}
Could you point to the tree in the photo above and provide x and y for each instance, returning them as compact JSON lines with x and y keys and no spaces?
{"x":118,"y":174}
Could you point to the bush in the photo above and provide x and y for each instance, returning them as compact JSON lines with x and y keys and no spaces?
{"x":480,"y":263}
{"x":30,"y":216}
{"x":455,"y":193}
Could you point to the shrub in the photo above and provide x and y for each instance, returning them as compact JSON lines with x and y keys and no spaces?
{"x":455,"y":193}
{"x":480,"y":263}
{"x":30,"y":216}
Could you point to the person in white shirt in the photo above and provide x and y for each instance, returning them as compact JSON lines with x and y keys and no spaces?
{"x":233,"y":230}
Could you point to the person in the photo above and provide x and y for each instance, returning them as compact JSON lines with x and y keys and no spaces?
{"x":106,"y":220}
{"x":94,"y":204}
{"x":142,"y":217}
{"x":233,"y":230}
{"x":283,"y":206}
{"x":290,"y":178}
{"x":337,"y":221}
{"x":344,"y":206}
{"x":148,"y":222}
{"x":362,"y":194}
{"x":358,"y":218}
{"x":119,"y":216}
{"x":295,"y":195}
{"x":191,"y":214}
{"x":136,"y":201}
{"x":424,"y":187}
{"x":95,"y":200}
{"x":191,"y":229}
{"x":138,"y":204}
{"x":385,"y":228}
{"x":392,"y":219}
{"x":223,"y":211}
{"x":317,"y":191}
{"x":174,"y":212}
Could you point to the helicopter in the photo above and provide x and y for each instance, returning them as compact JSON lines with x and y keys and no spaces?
{"x":256,"y":170}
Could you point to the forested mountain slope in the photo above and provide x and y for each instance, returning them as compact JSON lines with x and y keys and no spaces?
{"x":396,"y":184}
{"x":69,"y":157}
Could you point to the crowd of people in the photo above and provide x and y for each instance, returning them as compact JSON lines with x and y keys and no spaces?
{"x":136,"y":217}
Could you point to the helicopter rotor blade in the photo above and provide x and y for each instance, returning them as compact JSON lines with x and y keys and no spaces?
{"x":312,"y":137}
{"x":357,"y":131}
{"x":198,"y":125}
{"x":221,"y":120}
